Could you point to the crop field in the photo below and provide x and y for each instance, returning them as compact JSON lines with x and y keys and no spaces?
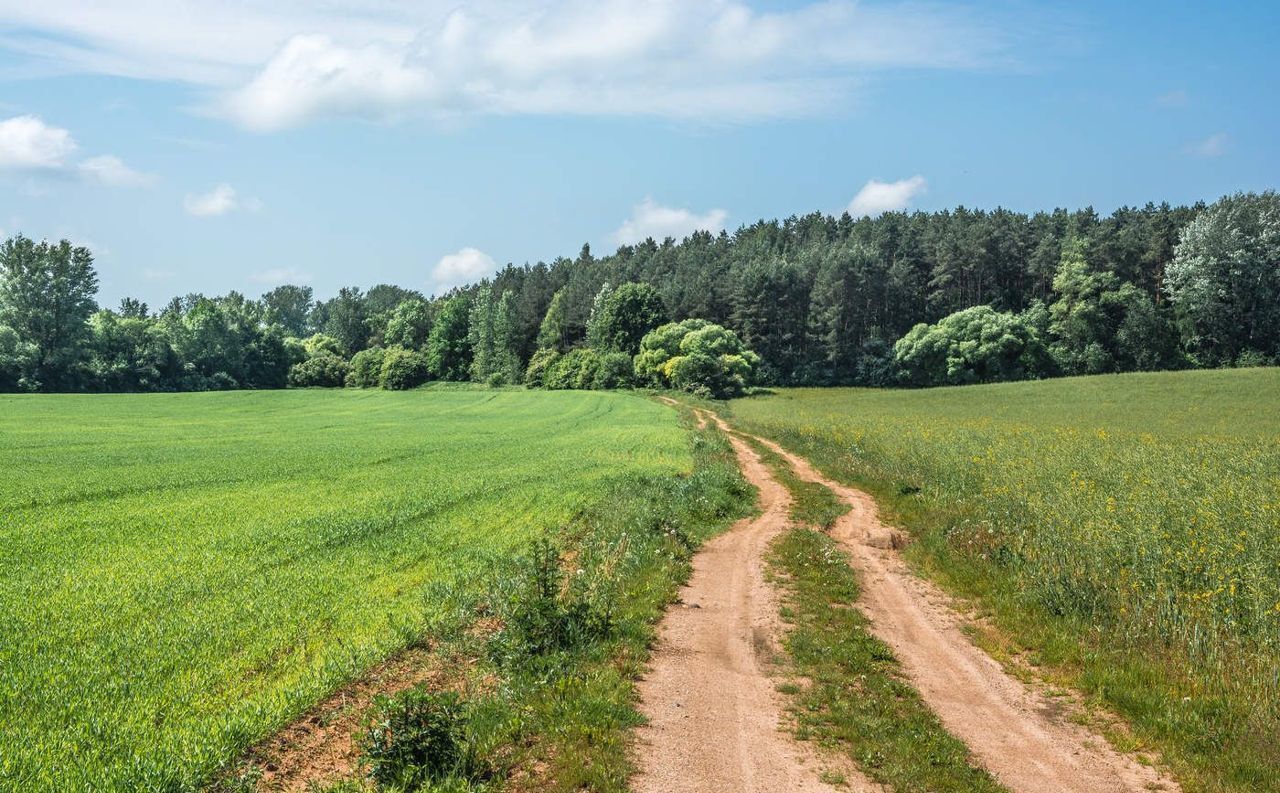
{"x":1124,"y":528}
{"x":183,"y":573}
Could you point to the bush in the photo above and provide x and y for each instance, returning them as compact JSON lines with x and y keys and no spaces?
{"x":416,"y":738}
{"x":615,"y":370}
{"x":324,"y":370}
{"x":322,"y":343}
{"x":696,"y":356}
{"x":575,"y":369}
{"x":366,"y":368}
{"x":403,"y":369}
{"x":976,"y":345}
{"x":543,"y":614}
{"x":542,"y":360}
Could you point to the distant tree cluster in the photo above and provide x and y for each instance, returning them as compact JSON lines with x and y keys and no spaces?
{"x":949,"y":297}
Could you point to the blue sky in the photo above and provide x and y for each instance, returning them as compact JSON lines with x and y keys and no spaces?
{"x":237,"y":145}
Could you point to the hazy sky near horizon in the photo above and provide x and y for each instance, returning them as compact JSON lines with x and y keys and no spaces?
{"x":202,"y":146}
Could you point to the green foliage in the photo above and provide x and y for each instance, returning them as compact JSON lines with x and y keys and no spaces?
{"x":696,"y":356}
{"x":623,"y":316}
{"x":366,"y":368}
{"x":16,"y":360}
{"x":416,"y":738}
{"x":289,"y":307}
{"x":544,"y":611}
{"x":542,"y":360}
{"x":410,"y":325}
{"x":346,"y":318}
{"x":322,"y":343}
{"x":1224,"y":281}
{"x":47,"y":296}
{"x":576,"y":369}
{"x":129,"y":353}
{"x":448,"y":346}
{"x":494,"y":338}
{"x":1120,"y":527}
{"x":553,"y":333}
{"x":1100,"y":324}
{"x":322,"y":370}
{"x":331,"y":515}
{"x":403,"y":369}
{"x":976,"y":345}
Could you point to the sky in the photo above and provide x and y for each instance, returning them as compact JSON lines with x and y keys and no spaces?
{"x":241,"y":144}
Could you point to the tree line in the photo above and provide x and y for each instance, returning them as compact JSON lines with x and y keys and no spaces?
{"x":920,"y":298}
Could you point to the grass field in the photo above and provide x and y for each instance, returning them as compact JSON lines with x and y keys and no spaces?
{"x":183,"y":573}
{"x":1123,"y":530}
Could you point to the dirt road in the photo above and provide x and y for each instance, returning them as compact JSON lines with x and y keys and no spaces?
{"x":1017,"y":733}
{"x":714,"y":714}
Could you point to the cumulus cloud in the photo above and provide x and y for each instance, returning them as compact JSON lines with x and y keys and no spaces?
{"x":280,"y":63}
{"x":312,"y":76}
{"x":651,"y":219}
{"x":111,"y":170}
{"x":280,"y":275}
{"x":1213,"y":146}
{"x":878,"y":197}
{"x":27,"y":143}
{"x":221,"y":200}
{"x":457,"y":269}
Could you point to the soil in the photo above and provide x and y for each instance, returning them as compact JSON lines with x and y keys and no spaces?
{"x":1018,"y":733}
{"x":714,"y":716}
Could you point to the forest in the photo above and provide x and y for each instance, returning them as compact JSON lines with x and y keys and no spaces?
{"x":920,"y":298}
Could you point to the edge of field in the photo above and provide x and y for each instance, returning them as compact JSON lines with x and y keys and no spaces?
{"x":546,"y":716}
{"x":1118,"y":694}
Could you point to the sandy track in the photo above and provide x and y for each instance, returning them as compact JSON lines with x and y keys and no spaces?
{"x":1016,"y":732}
{"x":714,"y":714}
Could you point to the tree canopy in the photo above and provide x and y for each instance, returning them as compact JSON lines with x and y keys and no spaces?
{"x":959,"y":295}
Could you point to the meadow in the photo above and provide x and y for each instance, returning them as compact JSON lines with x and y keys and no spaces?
{"x":1121,"y":532}
{"x":184,"y":573}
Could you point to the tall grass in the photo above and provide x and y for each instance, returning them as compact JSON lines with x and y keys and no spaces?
{"x":1136,"y":516}
{"x":184,"y":573}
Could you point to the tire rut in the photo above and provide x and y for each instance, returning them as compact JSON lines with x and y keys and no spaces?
{"x":1015,"y":731}
{"x":714,"y":716}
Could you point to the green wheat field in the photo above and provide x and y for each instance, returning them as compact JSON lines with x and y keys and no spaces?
{"x":182,"y":573}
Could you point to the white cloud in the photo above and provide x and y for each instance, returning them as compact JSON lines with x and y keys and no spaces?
{"x":221,"y":200}
{"x":1177,"y":98}
{"x":151,"y":274}
{"x":878,"y":197}
{"x":27,"y":143}
{"x":280,"y":63}
{"x":280,"y":275}
{"x":456,"y":269}
{"x":650,"y":219}
{"x":111,"y":170}
{"x":312,"y":77}
{"x":1213,"y":146}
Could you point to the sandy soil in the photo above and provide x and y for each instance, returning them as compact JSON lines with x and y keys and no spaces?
{"x":714,"y":714}
{"x":1016,"y":732}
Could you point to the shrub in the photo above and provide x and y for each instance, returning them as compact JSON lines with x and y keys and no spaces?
{"x":366,"y":368}
{"x":976,"y":345}
{"x":403,"y":369}
{"x":320,"y":343}
{"x":542,"y":360}
{"x":615,"y":370}
{"x":415,"y":738}
{"x":696,"y":356}
{"x":543,"y":614}
{"x":324,"y":370}
{"x":575,"y":369}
